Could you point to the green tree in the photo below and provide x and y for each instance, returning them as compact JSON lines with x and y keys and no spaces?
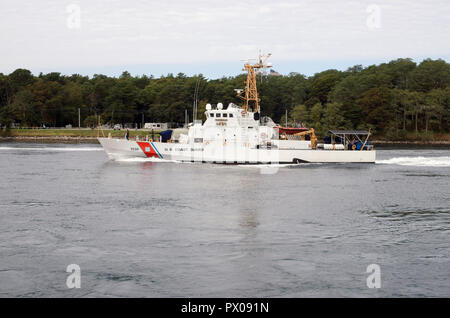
{"x":436,"y":102}
{"x":400,"y":73}
{"x":24,"y":108}
{"x":322,"y":84}
{"x":416,"y":102}
{"x":19,"y":79}
{"x":91,"y":121}
{"x":431,"y":75}
{"x":376,"y":105}
{"x":48,"y":101}
{"x":121,"y":102}
{"x":299,"y":115}
{"x":316,"y":117}
{"x":333,"y":117}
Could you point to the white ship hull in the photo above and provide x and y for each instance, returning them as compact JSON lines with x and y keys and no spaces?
{"x":238,"y":135}
{"x":229,"y":153}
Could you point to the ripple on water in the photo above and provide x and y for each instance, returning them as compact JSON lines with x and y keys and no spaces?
{"x":397,"y":213}
{"x":151,"y":229}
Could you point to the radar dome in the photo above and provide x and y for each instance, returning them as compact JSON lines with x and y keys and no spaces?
{"x":208,"y":106}
{"x":219,"y":106}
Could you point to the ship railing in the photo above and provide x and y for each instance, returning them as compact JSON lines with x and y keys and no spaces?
{"x":351,"y":139}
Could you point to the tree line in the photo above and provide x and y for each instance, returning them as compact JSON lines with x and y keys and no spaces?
{"x":392,"y":98}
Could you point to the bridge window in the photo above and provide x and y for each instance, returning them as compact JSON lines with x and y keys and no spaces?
{"x":225,"y":115}
{"x":218,"y":115}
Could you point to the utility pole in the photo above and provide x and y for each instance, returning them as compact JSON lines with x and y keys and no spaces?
{"x":79,"y":118}
{"x":286,"y":117}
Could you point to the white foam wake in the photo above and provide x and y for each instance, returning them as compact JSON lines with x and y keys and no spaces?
{"x":51,"y":148}
{"x":417,"y":161}
{"x":141,"y":159}
{"x":272,"y":165}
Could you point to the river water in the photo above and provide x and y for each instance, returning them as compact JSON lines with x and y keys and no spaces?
{"x":142,"y":228}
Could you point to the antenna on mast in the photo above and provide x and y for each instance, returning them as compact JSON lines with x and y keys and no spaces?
{"x":250,"y":93}
{"x":195,"y":106}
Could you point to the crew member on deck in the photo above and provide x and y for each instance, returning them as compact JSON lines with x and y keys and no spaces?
{"x":127,"y":135}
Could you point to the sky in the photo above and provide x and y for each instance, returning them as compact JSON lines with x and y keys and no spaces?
{"x":215,"y":37}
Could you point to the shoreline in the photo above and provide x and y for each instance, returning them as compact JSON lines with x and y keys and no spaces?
{"x":93,"y":140}
{"x":50,"y":140}
{"x":408,"y":142}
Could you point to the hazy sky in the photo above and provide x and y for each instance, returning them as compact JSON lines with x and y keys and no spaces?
{"x":211,"y":37}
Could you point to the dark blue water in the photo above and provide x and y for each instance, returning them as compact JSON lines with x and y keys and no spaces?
{"x":157,"y":229}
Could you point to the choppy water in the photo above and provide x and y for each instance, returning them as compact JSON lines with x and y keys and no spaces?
{"x":145,"y":228}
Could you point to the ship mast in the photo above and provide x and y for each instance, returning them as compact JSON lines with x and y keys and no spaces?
{"x":250,"y":93}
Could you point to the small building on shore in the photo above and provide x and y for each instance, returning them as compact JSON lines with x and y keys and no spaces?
{"x":156,"y":126}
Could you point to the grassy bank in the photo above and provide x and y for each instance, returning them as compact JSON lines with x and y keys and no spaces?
{"x":75,"y":133}
{"x":67,"y":135}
